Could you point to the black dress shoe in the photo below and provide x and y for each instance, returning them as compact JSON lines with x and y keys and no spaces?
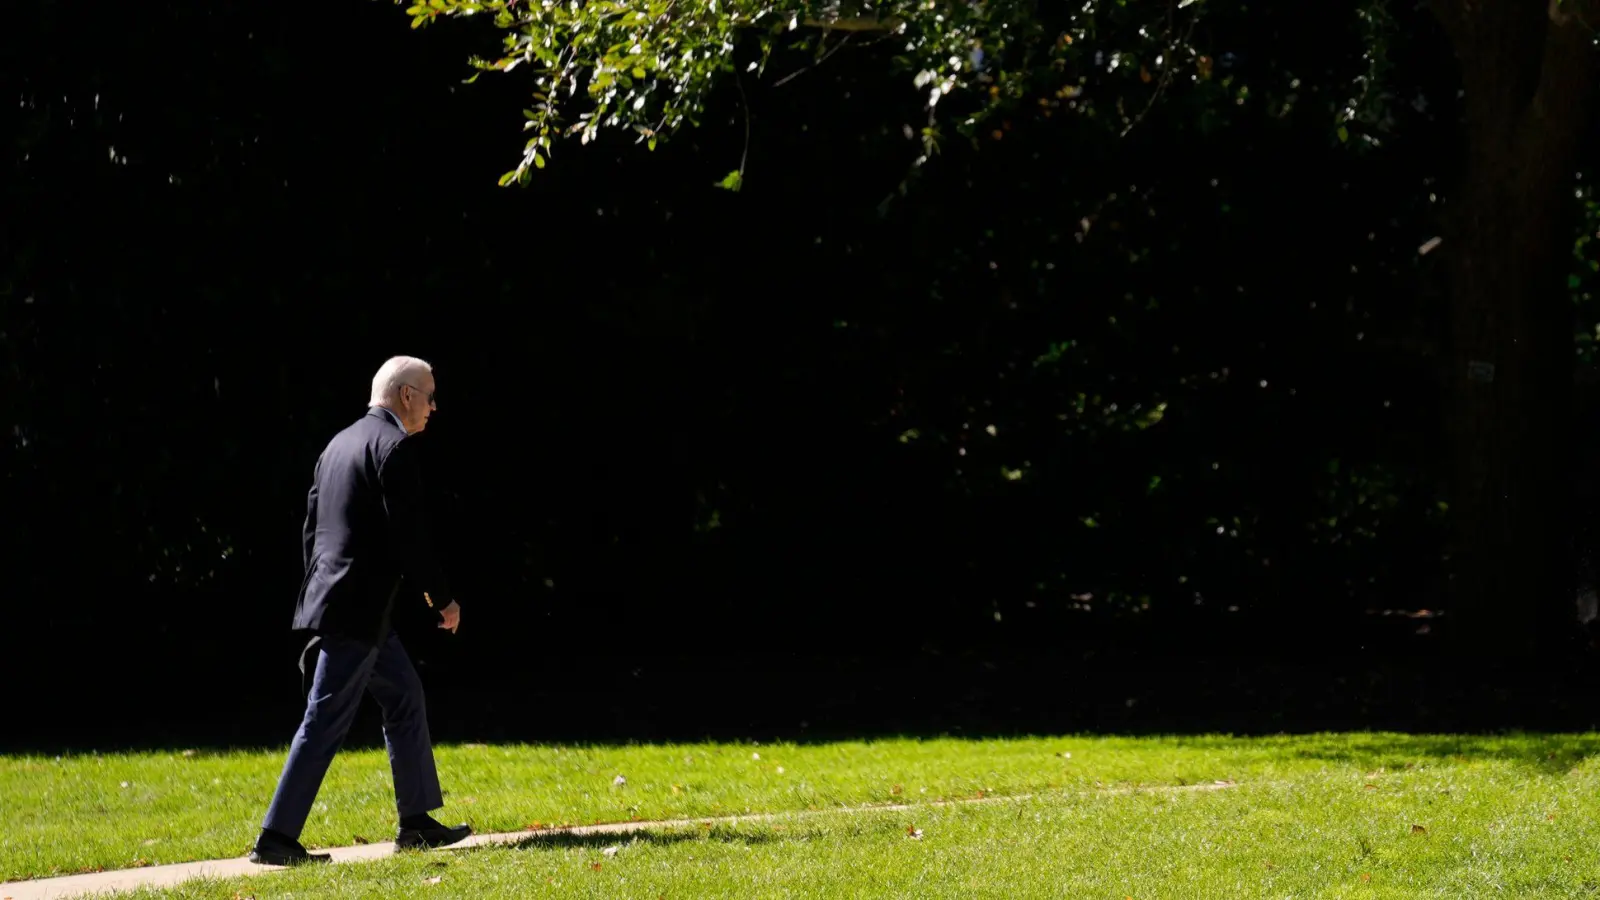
{"x":433,"y":836}
{"x":274,"y":849}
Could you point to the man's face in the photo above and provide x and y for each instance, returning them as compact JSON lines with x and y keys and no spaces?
{"x":417,"y":403}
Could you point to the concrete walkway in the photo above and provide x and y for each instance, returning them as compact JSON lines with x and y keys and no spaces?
{"x":169,"y":876}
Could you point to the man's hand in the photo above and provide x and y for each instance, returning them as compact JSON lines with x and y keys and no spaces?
{"x":452,"y":617}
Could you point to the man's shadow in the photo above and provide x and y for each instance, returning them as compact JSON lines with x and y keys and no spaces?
{"x":566,"y":840}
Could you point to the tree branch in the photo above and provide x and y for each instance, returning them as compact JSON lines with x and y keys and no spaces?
{"x":1452,"y":16}
{"x":1166,"y":74}
{"x":855,"y":23}
{"x":744,"y":103}
{"x":820,"y":60}
{"x":1567,"y":71}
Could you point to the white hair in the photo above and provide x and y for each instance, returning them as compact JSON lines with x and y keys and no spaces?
{"x":395,"y":374}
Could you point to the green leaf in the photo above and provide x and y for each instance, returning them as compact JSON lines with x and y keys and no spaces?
{"x":509,"y":177}
{"x":473,"y":78}
{"x":1344,"y":134}
{"x":639,"y":72}
{"x":651,"y":144}
{"x":732,"y":182}
{"x":538,"y":160}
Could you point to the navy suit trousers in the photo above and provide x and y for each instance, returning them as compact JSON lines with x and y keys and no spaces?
{"x":345,"y":669}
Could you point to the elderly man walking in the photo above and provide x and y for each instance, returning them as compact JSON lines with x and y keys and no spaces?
{"x":364,"y":532}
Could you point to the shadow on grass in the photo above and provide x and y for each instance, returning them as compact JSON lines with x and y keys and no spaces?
{"x":1544,"y":753}
{"x":1549,"y":754}
{"x":663,"y":836}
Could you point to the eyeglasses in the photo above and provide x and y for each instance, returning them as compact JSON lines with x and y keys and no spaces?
{"x":429,"y":394}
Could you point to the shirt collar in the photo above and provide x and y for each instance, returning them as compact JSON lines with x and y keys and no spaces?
{"x":393,"y":417}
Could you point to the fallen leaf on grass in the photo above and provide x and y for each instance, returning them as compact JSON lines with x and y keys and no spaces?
{"x":595,"y":866}
{"x":1366,"y":877}
{"x":610,"y":851}
{"x":1371,"y":787}
{"x":434,"y":880}
{"x":151,"y":842}
{"x":1270,"y":865}
{"x":1418,"y":829}
{"x":896,"y":790}
{"x":618,"y":781}
{"x":361,"y":840}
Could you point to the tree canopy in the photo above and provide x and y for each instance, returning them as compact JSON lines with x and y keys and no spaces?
{"x":649,"y":68}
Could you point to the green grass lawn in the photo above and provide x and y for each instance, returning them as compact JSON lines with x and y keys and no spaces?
{"x":1323,"y":816}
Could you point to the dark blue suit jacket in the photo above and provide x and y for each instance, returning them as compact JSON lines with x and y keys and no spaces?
{"x":366,"y":530}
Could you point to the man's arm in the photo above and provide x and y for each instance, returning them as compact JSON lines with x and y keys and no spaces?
{"x":309,"y":532}
{"x":400,"y":477}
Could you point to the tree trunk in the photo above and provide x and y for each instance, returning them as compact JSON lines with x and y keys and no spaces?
{"x":1528,"y":75}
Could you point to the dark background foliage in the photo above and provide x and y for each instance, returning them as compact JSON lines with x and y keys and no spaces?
{"x":1072,"y":429}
